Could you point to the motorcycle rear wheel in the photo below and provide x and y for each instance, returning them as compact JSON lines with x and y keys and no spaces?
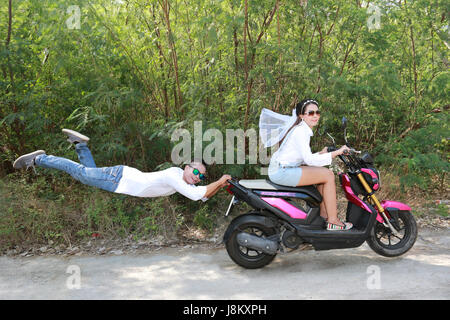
{"x":385,"y":243}
{"x":246,"y":257}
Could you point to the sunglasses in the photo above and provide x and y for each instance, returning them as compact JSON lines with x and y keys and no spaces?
{"x":197,"y":173}
{"x":311,"y":113}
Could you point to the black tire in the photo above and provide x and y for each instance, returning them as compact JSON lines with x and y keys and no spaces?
{"x":385,"y":243}
{"x":245,"y":257}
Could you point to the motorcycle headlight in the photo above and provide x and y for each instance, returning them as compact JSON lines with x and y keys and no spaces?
{"x":372,"y":177}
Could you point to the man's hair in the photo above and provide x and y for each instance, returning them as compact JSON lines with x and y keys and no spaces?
{"x":199,"y":162}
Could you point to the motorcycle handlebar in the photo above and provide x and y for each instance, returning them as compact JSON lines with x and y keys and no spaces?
{"x":354,"y":151}
{"x":332,"y":148}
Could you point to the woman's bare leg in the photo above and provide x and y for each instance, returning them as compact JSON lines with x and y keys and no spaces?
{"x":323,"y":210}
{"x":324,"y":176}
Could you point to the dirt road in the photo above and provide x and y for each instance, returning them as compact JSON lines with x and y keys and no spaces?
{"x":172,"y":273}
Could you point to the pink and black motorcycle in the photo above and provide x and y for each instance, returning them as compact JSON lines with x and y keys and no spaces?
{"x":283,"y":218}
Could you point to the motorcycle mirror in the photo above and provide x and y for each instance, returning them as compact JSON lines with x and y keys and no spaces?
{"x":344,"y":125}
{"x":344,"y":122}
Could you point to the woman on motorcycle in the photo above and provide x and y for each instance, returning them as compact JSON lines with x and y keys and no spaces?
{"x":295,"y":165}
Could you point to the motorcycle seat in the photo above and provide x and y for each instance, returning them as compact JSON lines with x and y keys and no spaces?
{"x":265,"y":184}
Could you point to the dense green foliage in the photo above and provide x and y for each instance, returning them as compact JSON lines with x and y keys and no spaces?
{"x":128,"y":72}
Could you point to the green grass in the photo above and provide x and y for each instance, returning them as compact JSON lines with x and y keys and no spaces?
{"x":37,"y":208}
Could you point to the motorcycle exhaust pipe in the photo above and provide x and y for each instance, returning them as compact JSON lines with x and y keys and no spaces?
{"x":257,"y":243}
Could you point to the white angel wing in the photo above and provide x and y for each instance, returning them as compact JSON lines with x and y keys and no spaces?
{"x":273,"y":126}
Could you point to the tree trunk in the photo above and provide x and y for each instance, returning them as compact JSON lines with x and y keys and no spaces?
{"x":166,"y":9}
{"x":8,"y":40}
{"x":267,"y":20}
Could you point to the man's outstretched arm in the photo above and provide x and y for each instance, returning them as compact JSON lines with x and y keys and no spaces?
{"x":214,"y":187}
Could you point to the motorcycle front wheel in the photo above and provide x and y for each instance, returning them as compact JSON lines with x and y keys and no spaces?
{"x":384,"y":242}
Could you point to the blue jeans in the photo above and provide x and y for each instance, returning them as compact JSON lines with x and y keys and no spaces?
{"x":106,"y":178}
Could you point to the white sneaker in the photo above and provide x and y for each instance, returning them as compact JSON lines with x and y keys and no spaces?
{"x":75,"y":136}
{"x":27,"y":160}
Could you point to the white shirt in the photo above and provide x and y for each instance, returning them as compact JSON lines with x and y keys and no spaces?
{"x":295,"y":150}
{"x":157,"y":184}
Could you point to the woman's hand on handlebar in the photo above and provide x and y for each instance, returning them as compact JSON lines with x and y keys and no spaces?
{"x":342,"y":150}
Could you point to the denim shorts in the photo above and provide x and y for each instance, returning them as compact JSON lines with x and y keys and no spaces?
{"x":286,"y":176}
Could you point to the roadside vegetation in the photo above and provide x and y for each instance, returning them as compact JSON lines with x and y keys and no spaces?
{"x":127,"y":73}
